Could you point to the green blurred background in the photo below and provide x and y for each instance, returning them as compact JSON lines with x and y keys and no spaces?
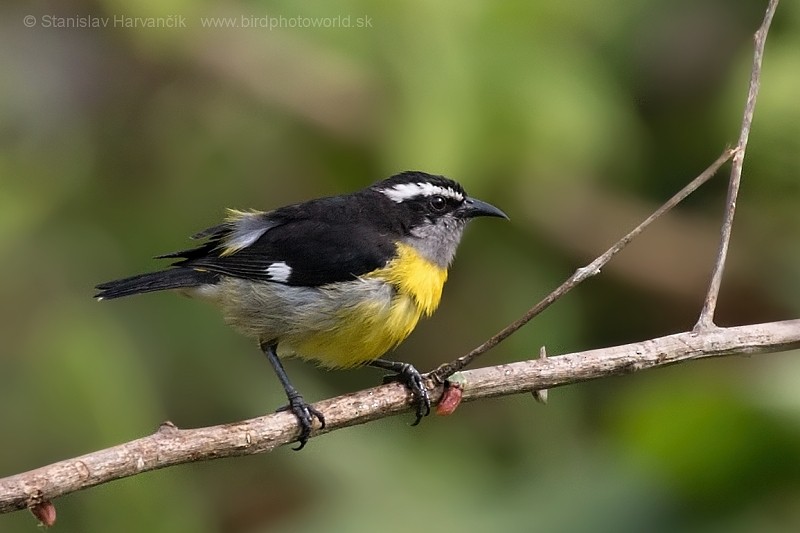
{"x":577,"y":118}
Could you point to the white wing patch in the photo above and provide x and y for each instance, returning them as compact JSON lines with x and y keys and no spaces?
{"x":279,"y":271}
{"x":404,"y":191}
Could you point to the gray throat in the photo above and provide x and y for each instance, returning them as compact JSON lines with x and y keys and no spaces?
{"x":437,"y":242}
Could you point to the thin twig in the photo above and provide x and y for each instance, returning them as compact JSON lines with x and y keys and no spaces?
{"x":440,"y":374}
{"x":172,"y":446}
{"x":706,"y":319}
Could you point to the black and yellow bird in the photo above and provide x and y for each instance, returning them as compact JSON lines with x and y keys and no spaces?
{"x":338,"y":280}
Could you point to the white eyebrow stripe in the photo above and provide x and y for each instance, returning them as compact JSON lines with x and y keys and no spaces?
{"x":404,"y":191}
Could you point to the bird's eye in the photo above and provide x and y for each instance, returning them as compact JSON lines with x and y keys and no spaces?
{"x":438,"y":203}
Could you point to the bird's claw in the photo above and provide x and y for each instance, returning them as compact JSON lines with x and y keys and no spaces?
{"x":305,"y":414}
{"x":411,"y":378}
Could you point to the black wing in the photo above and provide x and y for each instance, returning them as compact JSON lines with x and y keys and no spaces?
{"x":299,"y":252}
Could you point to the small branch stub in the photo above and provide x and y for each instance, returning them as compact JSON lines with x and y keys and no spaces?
{"x":452,"y":394}
{"x":45,"y":513}
{"x":540,"y":395}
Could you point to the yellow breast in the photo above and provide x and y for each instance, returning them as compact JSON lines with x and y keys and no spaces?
{"x":414,"y":276}
{"x":372,"y":327}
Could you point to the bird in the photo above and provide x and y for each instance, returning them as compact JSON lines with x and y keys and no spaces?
{"x":338,"y":280}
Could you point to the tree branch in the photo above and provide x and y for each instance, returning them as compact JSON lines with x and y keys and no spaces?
{"x":172,"y":446}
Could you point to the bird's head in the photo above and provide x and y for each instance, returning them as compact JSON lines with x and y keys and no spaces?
{"x":433,"y":211}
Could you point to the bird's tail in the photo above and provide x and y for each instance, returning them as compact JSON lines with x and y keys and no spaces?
{"x":174,"y":278}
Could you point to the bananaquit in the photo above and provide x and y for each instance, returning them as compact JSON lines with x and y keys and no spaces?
{"x":338,"y":280}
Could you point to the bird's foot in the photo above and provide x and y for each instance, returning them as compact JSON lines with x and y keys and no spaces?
{"x":305,"y":414}
{"x":411,"y":378}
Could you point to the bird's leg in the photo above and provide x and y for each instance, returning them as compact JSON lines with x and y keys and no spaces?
{"x":411,"y":378}
{"x":304,"y":412}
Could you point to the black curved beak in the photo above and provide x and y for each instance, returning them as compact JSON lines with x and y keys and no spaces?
{"x":476,"y":208}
